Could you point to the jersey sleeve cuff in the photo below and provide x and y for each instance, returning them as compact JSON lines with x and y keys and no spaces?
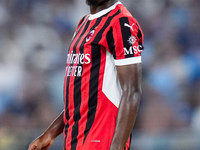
{"x":128,"y":61}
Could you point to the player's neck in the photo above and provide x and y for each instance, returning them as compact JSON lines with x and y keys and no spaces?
{"x":96,"y":9}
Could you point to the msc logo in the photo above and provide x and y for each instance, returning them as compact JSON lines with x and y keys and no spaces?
{"x":132,"y":40}
{"x":132,"y":50}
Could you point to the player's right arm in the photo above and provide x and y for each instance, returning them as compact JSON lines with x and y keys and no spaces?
{"x":44,"y":141}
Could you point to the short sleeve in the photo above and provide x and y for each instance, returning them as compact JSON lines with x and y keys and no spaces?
{"x":125,"y":41}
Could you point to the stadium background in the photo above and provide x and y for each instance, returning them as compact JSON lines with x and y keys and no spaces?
{"x":34,"y":37}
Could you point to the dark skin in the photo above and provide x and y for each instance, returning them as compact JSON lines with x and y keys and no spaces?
{"x":44,"y":141}
{"x":96,"y":8}
{"x":130,"y":79}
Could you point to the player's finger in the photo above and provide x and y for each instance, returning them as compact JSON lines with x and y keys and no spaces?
{"x":37,"y":148}
{"x":33,"y":147}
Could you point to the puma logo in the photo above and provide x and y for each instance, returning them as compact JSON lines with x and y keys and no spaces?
{"x":127,"y":25}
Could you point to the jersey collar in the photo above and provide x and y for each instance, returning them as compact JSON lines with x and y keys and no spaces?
{"x":103,"y":12}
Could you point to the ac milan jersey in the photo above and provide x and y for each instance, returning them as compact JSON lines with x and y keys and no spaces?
{"x":92,"y":92}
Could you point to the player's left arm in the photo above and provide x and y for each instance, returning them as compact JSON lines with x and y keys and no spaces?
{"x":130,"y":80}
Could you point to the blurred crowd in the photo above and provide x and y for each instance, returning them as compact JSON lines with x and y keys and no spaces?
{"x":34,"y":39}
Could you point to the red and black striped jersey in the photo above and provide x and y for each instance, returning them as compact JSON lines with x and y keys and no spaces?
{"x":92,"y":91}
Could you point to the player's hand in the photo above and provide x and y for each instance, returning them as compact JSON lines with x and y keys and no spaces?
{"x":41,"y":143}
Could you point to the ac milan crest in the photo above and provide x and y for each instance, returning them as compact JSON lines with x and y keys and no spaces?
{"x":89,"y":36}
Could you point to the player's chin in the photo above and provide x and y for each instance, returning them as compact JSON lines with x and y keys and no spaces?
{"x":96,"y":2}
{"x":91,"y":2}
